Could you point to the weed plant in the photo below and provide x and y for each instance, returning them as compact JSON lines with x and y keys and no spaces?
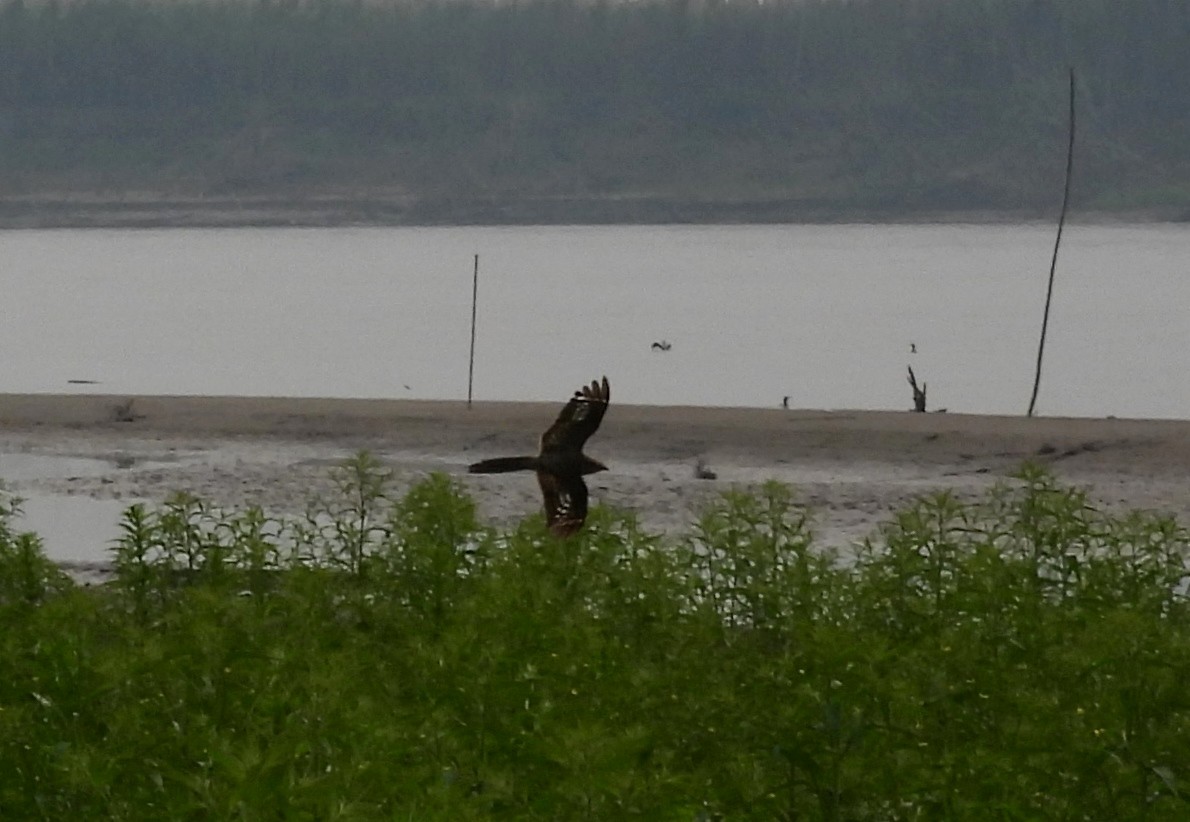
{"x":1025,"y":656}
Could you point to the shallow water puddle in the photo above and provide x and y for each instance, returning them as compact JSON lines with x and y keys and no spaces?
{"x":23,"y":467}
{"x":73,"y":527}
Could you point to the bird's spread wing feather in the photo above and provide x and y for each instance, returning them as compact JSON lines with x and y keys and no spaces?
{"x":579,"y":419}
{"x":565,"y":502}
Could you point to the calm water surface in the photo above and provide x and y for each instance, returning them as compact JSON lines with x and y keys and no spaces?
{"x":824,"y":314}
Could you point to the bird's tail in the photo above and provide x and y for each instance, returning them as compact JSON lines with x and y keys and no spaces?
{"x":499,"y":465}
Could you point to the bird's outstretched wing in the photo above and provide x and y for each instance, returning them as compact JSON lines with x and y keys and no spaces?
{"x":565,"y":502}
{"x":579,"y":419}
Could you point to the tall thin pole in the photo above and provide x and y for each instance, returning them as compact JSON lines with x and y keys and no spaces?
{"x":471,"y":362}
{"x":1049,"y":291}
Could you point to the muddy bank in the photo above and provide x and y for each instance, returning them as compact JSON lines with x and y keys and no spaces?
{"x":852,"y":468}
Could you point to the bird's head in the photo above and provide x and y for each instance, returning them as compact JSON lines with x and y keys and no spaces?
{"x":591,"y":466}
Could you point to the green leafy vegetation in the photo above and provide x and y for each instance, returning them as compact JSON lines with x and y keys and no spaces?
{"x":1020,"y":657}
{"x":558,"y":110}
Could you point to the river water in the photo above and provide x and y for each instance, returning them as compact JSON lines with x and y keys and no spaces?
{"x":825,"y":315}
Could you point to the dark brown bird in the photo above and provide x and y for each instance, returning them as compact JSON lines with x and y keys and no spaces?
{"x":560,"y":463}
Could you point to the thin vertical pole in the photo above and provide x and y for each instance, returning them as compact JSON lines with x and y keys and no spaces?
{"x":1049,"y":291}
{"x":471,"y":362}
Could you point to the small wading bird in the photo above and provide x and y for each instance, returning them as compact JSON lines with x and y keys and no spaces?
{"x":560,"y":463}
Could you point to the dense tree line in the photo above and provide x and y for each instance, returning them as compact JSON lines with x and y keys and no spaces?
{"x":837,"y":105}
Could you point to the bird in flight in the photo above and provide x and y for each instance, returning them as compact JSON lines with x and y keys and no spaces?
{"x":560,"y":463}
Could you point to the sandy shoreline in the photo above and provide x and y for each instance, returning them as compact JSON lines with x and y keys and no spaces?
{"x":382,"y":207}
{"x":852,"y":467}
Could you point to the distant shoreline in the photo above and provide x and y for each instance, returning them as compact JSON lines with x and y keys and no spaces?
{"x":147,"y":210}
{"x":756,"y":436}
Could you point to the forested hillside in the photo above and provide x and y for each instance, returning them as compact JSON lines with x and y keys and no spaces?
{"x":441,"y":110}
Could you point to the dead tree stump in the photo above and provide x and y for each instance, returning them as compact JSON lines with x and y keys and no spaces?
{"x":919,"y":394}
